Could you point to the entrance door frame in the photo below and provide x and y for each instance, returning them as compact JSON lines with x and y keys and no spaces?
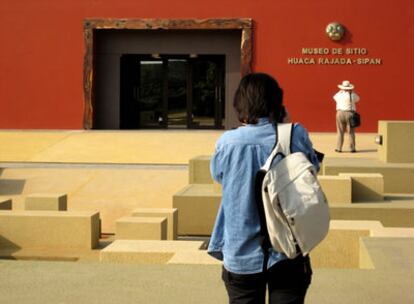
{"x":90,"y":26}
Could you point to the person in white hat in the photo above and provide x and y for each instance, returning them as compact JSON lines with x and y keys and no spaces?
{"x":345,"y":104}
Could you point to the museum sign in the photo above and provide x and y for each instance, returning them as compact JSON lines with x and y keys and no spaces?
{"x":334,"y":56}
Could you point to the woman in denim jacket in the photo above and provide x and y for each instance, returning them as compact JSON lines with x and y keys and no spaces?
{"x":236,"y":237}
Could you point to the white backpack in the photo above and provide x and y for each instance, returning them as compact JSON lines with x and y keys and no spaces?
{"x":295,"y":207}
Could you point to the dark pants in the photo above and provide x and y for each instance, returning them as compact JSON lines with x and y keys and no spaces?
{"x":287,"y":282}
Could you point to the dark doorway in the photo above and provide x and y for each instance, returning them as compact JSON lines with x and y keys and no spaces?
{"x":172,"y":91}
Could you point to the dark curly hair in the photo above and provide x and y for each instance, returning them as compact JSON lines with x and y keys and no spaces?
{"x":258,"y":95}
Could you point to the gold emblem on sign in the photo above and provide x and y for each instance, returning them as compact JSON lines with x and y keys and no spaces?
{"x":335,"y":31}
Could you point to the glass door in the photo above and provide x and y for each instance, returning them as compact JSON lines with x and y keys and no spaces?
{"x":141,"y":96}
{"x":150,"y":93}
{"x":207,"y":92}
{"x":172,"y":91}
{"x":177,"y":93}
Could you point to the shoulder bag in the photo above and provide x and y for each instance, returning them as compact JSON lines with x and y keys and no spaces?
{"x":355,"y":118}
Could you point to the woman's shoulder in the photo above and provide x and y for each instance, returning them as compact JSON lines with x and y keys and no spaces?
{"x":228,"y":136}
{"x":247,"y":136}
{"x":299,"y":132}
{"x":298,"y":128}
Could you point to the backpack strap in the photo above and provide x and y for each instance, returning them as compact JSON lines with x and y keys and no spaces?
{"x":282,"y":146}
{"x":264,"y":235}
{"x":284,"y":133}
{"x":283,"y":143}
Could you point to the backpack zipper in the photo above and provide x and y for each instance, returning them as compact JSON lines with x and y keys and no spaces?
{"x":295,"y":242}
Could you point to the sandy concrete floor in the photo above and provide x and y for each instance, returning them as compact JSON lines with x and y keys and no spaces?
{"x":153,"y":147}
{"x":144,"y":147}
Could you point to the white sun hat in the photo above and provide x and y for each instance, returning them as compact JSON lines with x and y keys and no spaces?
{"x":346,"y":85}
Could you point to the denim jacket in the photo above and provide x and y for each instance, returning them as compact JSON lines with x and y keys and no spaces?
{"x":239,"y":155}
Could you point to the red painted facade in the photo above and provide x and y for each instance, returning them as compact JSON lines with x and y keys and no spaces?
{"x":42,"y":49}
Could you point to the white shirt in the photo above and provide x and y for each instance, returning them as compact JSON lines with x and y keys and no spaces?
{"x":344,"y":101}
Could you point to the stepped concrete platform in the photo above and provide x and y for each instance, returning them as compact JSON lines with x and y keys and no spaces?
{"x":199,"y":170}
{"x":344,"y":247}
{"x":170,"y":213}
{"x":366,"y":186}
{"x":197,"y":206}
{"x":398,"y":177}
{"x":49,"y":229}
{"x":114,"y":191}
{"x":57,"y":253}
{"x":199,"y":257}
{"x":141,"y":228}
{"x":337,"y":189}
{"x":115,"y":179}
{"x":341,"y":248}
{"x":52,"y":254}
{"x":46,"y":201}
{"x":146,"y":252}
{"x":391,"y":213}
{"x":397,"y":141}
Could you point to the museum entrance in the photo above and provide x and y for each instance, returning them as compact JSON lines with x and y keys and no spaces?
{"x":156,"y":79}
{"x":172,"y":91}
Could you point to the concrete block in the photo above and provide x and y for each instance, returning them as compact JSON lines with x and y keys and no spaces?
{"x":46,"y":201}
{"x":344,"y":246}
{"x":366,"y":186}
{"x":341,"y":247}
{"x":390,"y":214}
{"x":141,"y":228}
{"x":337,"y":189}
{"x":146,"y":252}
{"x":398,"y":178}
{"x":393,"y":232}
{"x":368,"y":225}
{"x":49,"y":229}
{"x":391,"y":255}
{"x":199,"y":257}
{"x":5,"y":204}
{"x":397,"y":141}
{"x":170,"y":213}
{"x":199,"y":170}
{"x":197,"y":207}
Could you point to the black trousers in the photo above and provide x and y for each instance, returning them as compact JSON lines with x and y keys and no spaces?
{"x":287,"y":282}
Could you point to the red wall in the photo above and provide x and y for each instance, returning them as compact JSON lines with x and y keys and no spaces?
{"x":41,"y":54}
